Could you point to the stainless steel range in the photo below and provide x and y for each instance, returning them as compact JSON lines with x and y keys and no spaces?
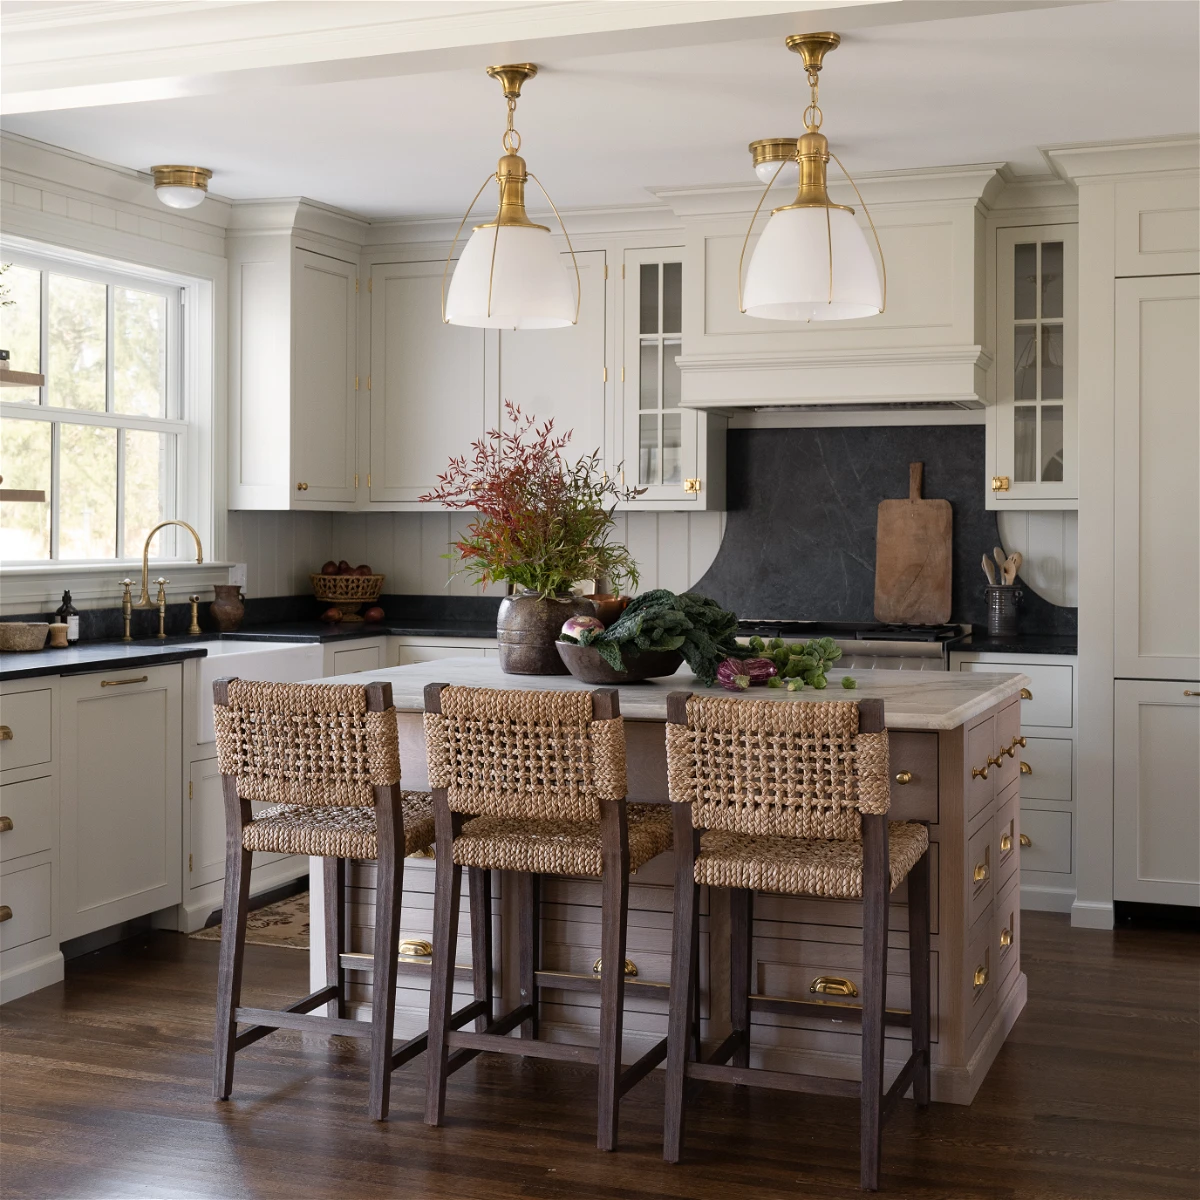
{"x":867,"y":644}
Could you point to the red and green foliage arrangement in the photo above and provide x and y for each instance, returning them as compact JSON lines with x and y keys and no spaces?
{"x":543,"y":521}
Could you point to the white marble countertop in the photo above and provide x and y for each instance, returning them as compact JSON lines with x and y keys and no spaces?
{"x":912,"y":699}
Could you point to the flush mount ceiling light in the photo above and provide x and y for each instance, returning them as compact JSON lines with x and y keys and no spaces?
{"x":181,"y":187}
{"x":812,"y":262}
{"x":510,"y":275}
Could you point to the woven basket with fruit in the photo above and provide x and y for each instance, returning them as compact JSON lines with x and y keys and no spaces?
{"x":347,"y":589}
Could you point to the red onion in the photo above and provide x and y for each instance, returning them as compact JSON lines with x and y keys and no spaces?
{"x":738,"y":674}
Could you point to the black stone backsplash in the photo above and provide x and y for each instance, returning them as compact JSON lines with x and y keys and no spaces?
{"x":800,"y":536}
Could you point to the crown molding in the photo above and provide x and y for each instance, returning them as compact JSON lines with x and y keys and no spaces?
{"x":296,"y":215}
{"x":1095,"y":162}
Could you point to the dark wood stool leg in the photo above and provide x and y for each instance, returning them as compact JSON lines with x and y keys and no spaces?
{"x":334,"y":870}
{"x":479,"y":886}
{"x":695,"y":1048}
{"x":389,"y":886}
{"x":446,"y":888}
{"x":876,"y":887}
{"x":528,"y":945}
{"x":918,"y":967}
{"x":234,"y":910}
{"x":741,"y":919}
{"x":683,"y":978}
{"x":614,"y":888}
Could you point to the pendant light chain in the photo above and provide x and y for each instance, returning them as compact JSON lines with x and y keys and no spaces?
{"x":812,"y":114}
{"x":511,"y":139}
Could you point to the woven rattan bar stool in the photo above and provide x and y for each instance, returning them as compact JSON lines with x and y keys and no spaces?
{"x":792,"y":797}
{"x":534,"y":782}
{"x":326,"y":757}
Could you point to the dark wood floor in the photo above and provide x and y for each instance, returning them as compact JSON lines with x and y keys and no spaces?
{"x":104,"y":1092}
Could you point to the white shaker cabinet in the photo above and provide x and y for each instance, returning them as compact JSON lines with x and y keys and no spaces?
{"x":120,"y":806}
{"x":1156,"y":535}
{"x":1156,"y":844}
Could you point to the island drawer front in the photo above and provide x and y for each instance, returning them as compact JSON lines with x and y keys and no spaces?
{"x":1050,"y":690}
{"x":1006,"y":928}
{"x":27,"y":717}
{"x":981,"y":787}
{"x":29,"y":805}
{"x":981,"y":869}
{"x":1008,"y":729}
{"x":1050,"y":762}
{"x":915,"y":756}
{"x":980,"y":978}
{"x":787,"y":969}
{"x":27,"y":893}
{"x":1049,"y":834}
{"x":1006,"y":837}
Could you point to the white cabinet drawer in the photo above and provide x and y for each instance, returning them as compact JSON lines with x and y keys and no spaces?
{"x":1049,"y":835}
{"x":1049,"y":762}
{"x":1050,"y":690}
{"x":27,"y":894}
{"x":29,"y":806}
{"x":26,"y":716}
{"x":361,"y":658}
{"x":419,"y":654}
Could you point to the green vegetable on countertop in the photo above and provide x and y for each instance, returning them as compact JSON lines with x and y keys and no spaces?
{"x":849,"y":682}
{"x":795,"y":685}
{"x":819,"y":682}
{"x":775,"y":682}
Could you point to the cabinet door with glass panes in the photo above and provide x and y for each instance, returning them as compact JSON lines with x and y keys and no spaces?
{"x":1032,"y":429}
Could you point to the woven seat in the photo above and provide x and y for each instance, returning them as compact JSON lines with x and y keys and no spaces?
{"x":558,"y":847}
{"x":328,"y":832}
{"x":797,"y":867}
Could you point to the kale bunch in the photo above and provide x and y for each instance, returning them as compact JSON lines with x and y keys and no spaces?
{"x":800,"y":663}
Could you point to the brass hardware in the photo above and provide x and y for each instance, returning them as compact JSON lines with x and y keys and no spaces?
{"x":123,"y":682}
{"x":605,"y":374}
{"x":412,"y":948}
{"x":630,"y":967}
{"x":1020,"y":741}
{"x":812,"y":48}
{"x":356,"y":287}
{"x":1009,"y":750}
{"x":5,"y":913}
{"x":980,"y":873}
{"x":904,"y":777}
{"x":356,"y":479}
{"x":622,"y":374}
{"x":126,"y":607}
{"x":979,"y":772}
{"x":370,"y":285}
{"x":302,"y":487}
{"x":1005,"y":842}
{"x":356,"y":383}
{"x":1006,"y":937}
{"x":189,"y":864}
{"x":833,"y":985}
{"x":1026,"y":694}
{"x":161,"y":601}
{"x":773,"y":150}
{"x":981,"y":977}
{"x":1189,"y":692}
{"x":511,"y":77}
{"x":999,"y":483}
{"x":1026,"y":769}
{"x":177,"y":176}
{"x":6,"y":734}
{"x":368,"y":479}
{"x":6,"y":824}
{"x":368,"y":383}
{"x":993,"y":762}
{"x":144,"y":599}
{"x":194,"y":627}
{"x":189,"y":789}
{"x":1025,"y":840}
{"x":691,"y":486}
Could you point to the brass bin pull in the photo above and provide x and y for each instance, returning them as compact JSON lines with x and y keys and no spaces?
{"x":5,"y":913}
{"x":5,"y":734}
{"x":1006,"y":937}
{"x":904,"y":777}
{"x":1026,"y":694}
{"x":1006,"y":842}
{"x":1026,"y":769}
{"x":1025,"y":840}
{"x":981,"y":872}
{"x":980,"y":772}
{"x":833,"y":985}
{"x":123,"y":682}
{"x":980,"y":978}
{"x":5,"y":824}
{"x":630,"y":967}
{"x":412,"y":948}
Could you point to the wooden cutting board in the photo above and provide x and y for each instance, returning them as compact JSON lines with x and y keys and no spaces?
{"x":912,"y":557}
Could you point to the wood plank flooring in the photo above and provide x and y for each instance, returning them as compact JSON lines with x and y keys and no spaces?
{"x":104,"y":1092}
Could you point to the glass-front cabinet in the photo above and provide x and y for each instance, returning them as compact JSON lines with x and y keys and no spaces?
{"x":1032,"y":438}
{"x":666,"y":447}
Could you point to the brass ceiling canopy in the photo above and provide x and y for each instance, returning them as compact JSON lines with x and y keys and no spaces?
{"x":812,"y":47}
{"x":512,"y":76}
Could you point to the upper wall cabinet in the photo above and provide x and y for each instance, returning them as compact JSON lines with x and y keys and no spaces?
{"x":1032,"y":436}
{"x":293,"y":320}
{"x":433,"y":385}
{"x":1157,"y":227}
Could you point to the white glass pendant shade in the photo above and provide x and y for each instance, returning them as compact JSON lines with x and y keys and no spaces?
{"x":789,"y":275}
{"x":788,"y":174}
{"x":529,"y":286}
{"x":180,"y":197}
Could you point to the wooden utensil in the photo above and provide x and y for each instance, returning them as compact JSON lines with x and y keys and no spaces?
{"x":912,"y":557}
{"x":1012,"y":564}
{"x":989,"y":569}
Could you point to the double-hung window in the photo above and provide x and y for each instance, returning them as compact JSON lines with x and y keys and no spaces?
{"x":104,"y":437}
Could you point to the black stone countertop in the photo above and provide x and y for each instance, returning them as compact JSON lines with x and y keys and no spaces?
{"x":317,"y":631}
{"x":85,"y":657}
{"x":1022,"y":643}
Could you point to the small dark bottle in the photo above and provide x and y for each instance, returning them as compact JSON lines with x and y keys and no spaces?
{"x":69,"y":616}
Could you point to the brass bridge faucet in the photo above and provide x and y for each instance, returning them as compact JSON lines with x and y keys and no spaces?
{"x":160,"y":602}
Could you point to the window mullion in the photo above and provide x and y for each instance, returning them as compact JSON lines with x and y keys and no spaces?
{"x":44,"y":338}
{"x":54,"y":474}
{"x":110,"y":403}
{"x":120,"y":494}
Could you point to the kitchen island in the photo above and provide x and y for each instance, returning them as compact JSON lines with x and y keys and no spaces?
{"x":953,"y":764}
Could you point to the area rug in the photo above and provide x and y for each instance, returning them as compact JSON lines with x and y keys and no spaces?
{"x":284,"y":923}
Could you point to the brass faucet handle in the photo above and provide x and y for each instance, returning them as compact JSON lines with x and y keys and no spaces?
{"x":162,"y":589}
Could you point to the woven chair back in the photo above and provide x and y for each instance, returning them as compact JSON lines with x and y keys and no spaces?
{"x":540,"y":754}
{"x":306,"y":743}
{"x":777,"y":768}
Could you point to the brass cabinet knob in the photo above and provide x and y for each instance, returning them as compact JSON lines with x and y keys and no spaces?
{"x":981,"y":872}
{"x":5,"y":913}
{"x":1020,"y":741}
{"x":833,"y":985}
{"x":980,"y":772}
{"x":1026,"y":769}
{"x":1006,"y":937}
{"x":302,"y":487}
{"x":904,"y":777}
{"x":1006,"y":842}
{"x":5,"y":824}
{"x":630,"y":967}
{"x":1026,"y":694}
{"x":1009,"y":750}
{"x":5,"y":734}
{"x":1025,"y":840}
{"x":994,"y":762}
{"x":980,"y":977}
{"x":412,"y":948}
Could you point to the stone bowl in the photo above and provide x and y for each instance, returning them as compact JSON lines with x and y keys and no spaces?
{"x":23,"y":635}
{"x":585,"y":663}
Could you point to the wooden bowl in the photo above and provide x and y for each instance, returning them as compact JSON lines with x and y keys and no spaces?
{"x":585,"y":663}
{"x":23,"y":635}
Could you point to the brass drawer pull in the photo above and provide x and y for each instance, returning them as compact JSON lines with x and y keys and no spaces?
{"x":1006,"y":937}
{"x":123,"y":682}
{"x":1005,"y":842}
{"x":412,"y":948}
{"x":1025,"y":840}
{"x":980,"y":772}
{"x":5,"y":824}
{"x":630,"y":967}
{"x":981,"y":977}
{"x":904,"y":777}
{"x":1189,"y":692}
{"x":833,"y":985}
{"x":981,"y":872}
{"x":5,"y":913}
{"x":5,"y":734}
{"x":1026,"y":694}
{"x":1026,"y":769}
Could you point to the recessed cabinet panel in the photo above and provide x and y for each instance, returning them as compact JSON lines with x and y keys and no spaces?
{"x":26,"y":716}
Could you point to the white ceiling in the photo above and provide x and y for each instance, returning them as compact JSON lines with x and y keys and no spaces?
{"x":601,"y":128}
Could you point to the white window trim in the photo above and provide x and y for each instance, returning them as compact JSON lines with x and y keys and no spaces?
{"x":28,"y":587}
